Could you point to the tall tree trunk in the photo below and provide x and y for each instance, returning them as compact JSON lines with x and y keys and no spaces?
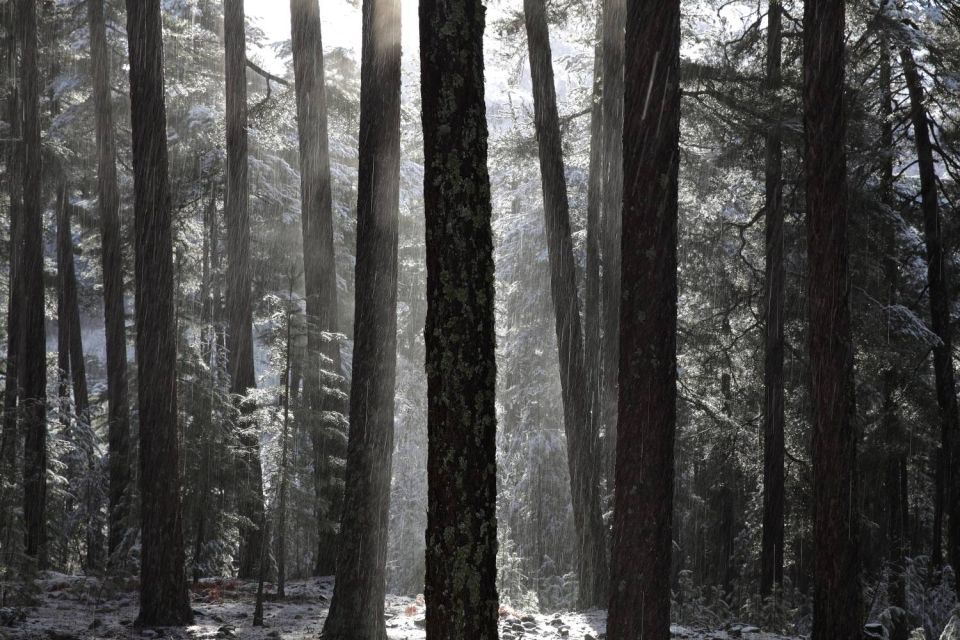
{"x":583,"y":450}
{"x":896,"y":451}
{"x":163,"y":592}
{"x":239,"y":295}
{"x":108,"y":204}
{"x":71,"y":319}
{"x":72,"y":366}
{"x":356,"y":612}
{"x":836,"y":600}
{"x":460,"y":591}
{"x":319,"y":261}
{"x":614,"y":18}
{"x":207,"y":349}
{"x":10,"y":439}
{"x":643,"y":497}
{"x":591,"y":310}
{"x":284,"y":444}
{"x":771,"y":554}
{"x":33,"y":376}
{"x":948,"y":477}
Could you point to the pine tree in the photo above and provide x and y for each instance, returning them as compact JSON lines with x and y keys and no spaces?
{"x":938,"y":281}
{"x":836,"y":597}
{"x":108,"y":204}
{"x":614,"y":13}
{"x":643,"y":495}
{"x":32,"y":376}
{"x":460,"y":590}
{"x":771,"y":555}
{"x":71,"y":363}
{"x":320,"y":276}
{"x":583,"y":449}
{"x":356,"y":611}
{"x":10,"y":439}
{"x":163,"y":589}
{"x":239,"y":296}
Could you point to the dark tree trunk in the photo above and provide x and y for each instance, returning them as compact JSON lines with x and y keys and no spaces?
{"x":771,"y":555}
{"x":614,"y":17}
{"x":583,"y":450}
{"x":938,"y":279}
{"x":284,"y":444}
{"x":108,"y":200}
{"x":896,"y":450}
{"x":460,"y":591}
{"x":33,"y":374}
{"x":10,"y":440}
{"x":643,"y":497}
{"x":71,"y":363}
{"x":210,"y":309}
{"x":70,"y":320}
{"x":319,"y":261}
{"x":163,"y":592}
{"x":356,"y":612}
{"x":239,"y":295}
{"x":836,"y":600}
{"x":63,"y":333}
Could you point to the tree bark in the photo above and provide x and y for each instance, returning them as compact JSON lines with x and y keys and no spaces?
{"x":896,"y":451}
{"x":771,"y":554}
{"x":108,"y":204}
{"x":10,"y":439}
{"x":356,"y":611}
{"x":70,"y":320}
{"x":643,"y":497}
{"x":460,"y":591}
{"x":938,"y":278}
{"x":33,"y":375}
{"x":163,"y":593}
{"x":614,"y":17}
{"x":836,"y":600}
{"x":239,"y":295}
{"x":319,"y":260}
{"x":71,"y":363}
{"x":583,"y":448}
{"x":591,"y":311}
{"x":284,"y":443}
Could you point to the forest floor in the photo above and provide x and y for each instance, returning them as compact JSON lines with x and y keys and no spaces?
{"x":77,"y":607}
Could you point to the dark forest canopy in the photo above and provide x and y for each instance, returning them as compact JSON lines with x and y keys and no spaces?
{"x":468,"y":319}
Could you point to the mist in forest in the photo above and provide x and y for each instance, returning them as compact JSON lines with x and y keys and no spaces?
{"x":466,"y":320}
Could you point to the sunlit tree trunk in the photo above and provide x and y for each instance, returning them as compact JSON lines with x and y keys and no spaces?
{"x":836,"y":599}
{"x":614,"y":18}
{"x":108,"y":204}
{"x":948,"y":477}
{"x":771,"y":554}
{"x":33,"y":374}
{"x":460,"y":591}
{"x":643,"y":496}
{"x":239,"y":296}
{"x":163,"y":592}
{"x":356,"y":612}
{"x":583,"y":449}
{"x":319,"y":260}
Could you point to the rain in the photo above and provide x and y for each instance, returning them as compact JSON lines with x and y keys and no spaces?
{"x":479,"y":319}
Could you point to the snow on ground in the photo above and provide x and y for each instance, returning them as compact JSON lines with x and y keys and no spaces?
{"x":76,"y":607}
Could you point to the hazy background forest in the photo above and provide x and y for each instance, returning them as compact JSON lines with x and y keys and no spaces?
{"x":263,"y":469}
